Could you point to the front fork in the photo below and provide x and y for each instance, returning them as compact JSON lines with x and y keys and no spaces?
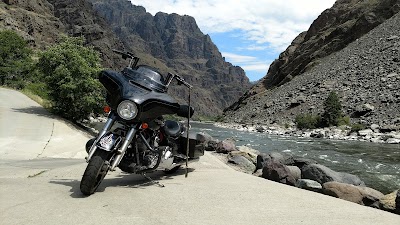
{"x":107,"y":127}
{"x":121,"y":152}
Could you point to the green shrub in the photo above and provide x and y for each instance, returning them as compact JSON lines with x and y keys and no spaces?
{"x":344,"y":120}
{"x":15,"y":59}
{"x":307,"y":121}
{"x":357,"y":127}
{"x":70,"y":72}
{"x":332,"y":110}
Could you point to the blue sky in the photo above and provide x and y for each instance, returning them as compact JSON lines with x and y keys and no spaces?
{"x":249,"y":34}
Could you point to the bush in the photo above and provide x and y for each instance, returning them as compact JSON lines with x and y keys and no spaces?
{"x":70,"y":72}
{"x":307,"y":121}
{"x":332,"y":110}
{"x":357,"y":127}
{"x":345,"y":120}
{"x":15,"y":59}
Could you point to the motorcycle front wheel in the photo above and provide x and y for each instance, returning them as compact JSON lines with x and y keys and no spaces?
{"x":94,"y":174}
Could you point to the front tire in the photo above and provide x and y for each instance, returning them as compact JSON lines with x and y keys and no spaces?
{"x":94,"y":174}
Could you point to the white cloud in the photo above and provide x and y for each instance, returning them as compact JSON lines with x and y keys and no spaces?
{"x":235,"y":58}
{"x":263,"y":21}
{"x":258,"y":67}
{"x":248,"y":63}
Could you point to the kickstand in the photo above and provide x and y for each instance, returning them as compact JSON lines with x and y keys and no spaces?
{"x":151,"y":180}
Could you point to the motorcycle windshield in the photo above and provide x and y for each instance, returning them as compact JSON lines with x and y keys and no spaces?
{"x":146,"y":77}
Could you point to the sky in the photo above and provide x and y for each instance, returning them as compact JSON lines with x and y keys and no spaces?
{"x":249,"y":34}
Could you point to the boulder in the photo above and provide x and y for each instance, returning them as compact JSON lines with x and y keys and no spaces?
{"x":225,"y":146}
{"x":276,"y":171}
{"x":360,"y":195}
{"x":308,"y":184}
{"x":323,"y":174}
{"x":284,"y":159}
{"x":249,"y":153}
{"x":365,"y":132}
{"x":295,"y":171}
{"x":260,"y":129}
{"x":362,"y":110}
{"x":258,"y":173}
{"x":391,"y":202}
{"x":211,"y":145}
{"x":242,"y":162}
{"x":393,"y":141}
{"x":301,"y":162}
{"x":251,"y":158}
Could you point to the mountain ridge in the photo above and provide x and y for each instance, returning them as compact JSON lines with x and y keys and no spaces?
{"x":365,"y":74}
{"x":169,"y":42}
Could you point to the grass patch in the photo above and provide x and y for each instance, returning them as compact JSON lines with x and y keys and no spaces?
{"x":45,"y":103}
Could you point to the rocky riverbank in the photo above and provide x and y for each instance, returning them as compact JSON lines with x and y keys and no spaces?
{"x":302,"y":173}
{"x":373,"y":133}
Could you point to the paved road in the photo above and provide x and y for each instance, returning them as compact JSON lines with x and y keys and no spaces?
{"x":41,"y":164}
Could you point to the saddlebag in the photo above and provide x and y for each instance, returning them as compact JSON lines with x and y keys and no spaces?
{"x":196,"y":145}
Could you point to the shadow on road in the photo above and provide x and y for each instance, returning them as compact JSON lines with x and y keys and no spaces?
{"x":122,"y":180}
{"x":35,"y":110}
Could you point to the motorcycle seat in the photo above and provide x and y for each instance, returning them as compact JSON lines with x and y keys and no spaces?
{"x":172,"y":128}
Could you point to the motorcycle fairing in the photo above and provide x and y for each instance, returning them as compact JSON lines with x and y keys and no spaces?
{"x":151,"y":104}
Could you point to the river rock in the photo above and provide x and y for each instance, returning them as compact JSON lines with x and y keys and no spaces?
{"x":211,"y":145}
{"x":363,"y":109}
{"x":323,"y":174}
{"x":365,"y":132}
{"x":242,"y":162}
{"x":360,"y":195}
{"x":284,"y":159}
{"x":391,"y":202}
{"x":301,"y":162}
{"x":226,"y":146}
{"x":276,"y":171}
{"x":251,"y":154}
{"x":308,"y":184}
{"x":393,"y":141}
{"x":251,"y":157}
{"x":258,"y":173}
{"x":375,"y":127}
{"x":295,"y":171}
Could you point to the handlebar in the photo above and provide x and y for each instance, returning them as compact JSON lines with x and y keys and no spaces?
{"x":128,"y":55}
{"x":180,"y":80}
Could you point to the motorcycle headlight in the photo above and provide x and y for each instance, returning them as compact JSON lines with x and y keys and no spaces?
{"x":127,"y":110}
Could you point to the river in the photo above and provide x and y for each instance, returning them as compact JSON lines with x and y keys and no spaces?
{"x":378,"y":165}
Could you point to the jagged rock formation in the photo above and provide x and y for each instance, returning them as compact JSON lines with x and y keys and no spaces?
{"x":365,"y":74}
{"x":178,"y":44}
{"x":169,"y":42}
{"x":333,"y":30}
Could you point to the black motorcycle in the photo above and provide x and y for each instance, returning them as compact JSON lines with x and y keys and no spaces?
{"x":136,"y":138}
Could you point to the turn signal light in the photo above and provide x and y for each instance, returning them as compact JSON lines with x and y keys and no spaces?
{"x":107,"y":109}
{"x":145,"y":125}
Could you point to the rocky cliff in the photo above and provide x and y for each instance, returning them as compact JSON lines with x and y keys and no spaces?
{"x":314,"y":64}
{"x":365,"y":74}
{"x":169,"y":42}
{"x":178,"y":44}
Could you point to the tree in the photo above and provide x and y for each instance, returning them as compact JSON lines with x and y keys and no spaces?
{"x":70,"y":71}
{"x":15,"y":58}
{"x":332,"y":110}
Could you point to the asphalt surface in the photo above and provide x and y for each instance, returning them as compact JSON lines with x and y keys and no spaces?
{"x":41,"y":164}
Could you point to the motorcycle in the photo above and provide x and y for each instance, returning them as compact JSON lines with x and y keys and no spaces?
{"x":136,"y":138}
